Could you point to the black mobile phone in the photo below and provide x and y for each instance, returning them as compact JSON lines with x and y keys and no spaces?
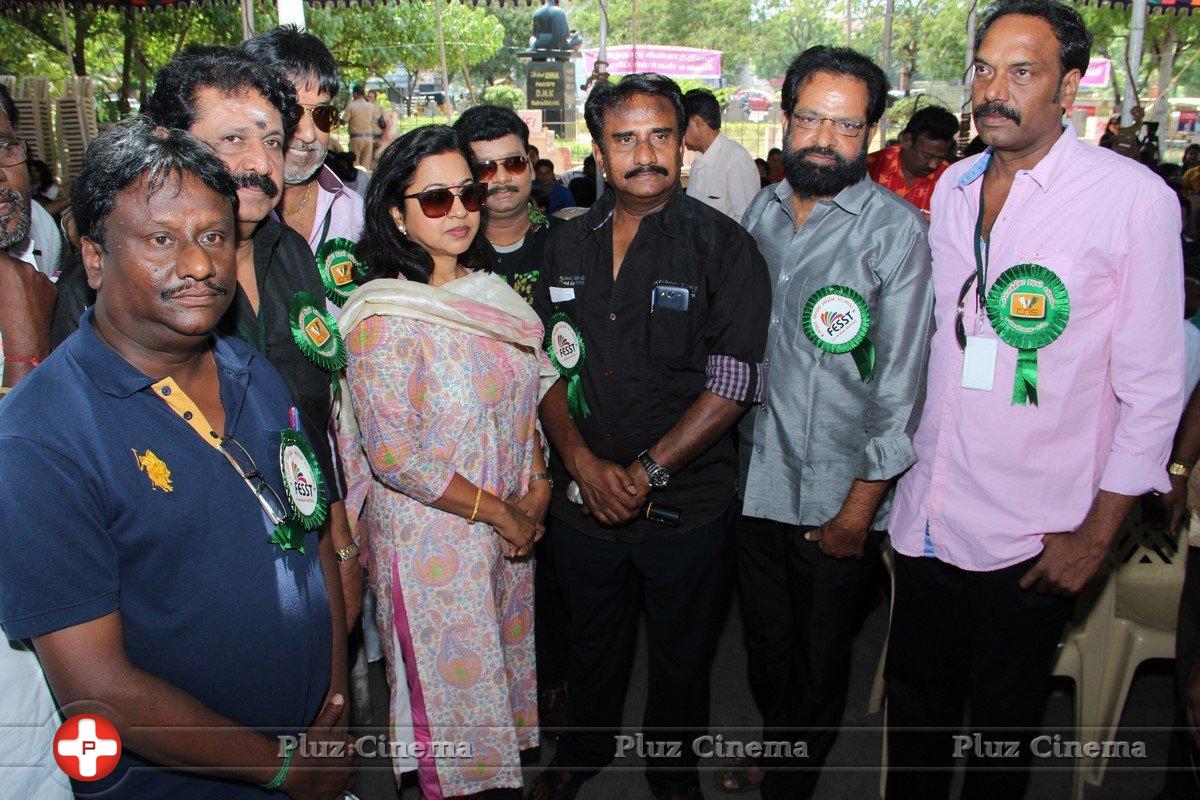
{"x":669,"y":296}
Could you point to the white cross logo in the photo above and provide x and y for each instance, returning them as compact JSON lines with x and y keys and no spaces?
{"x":87,"y":746}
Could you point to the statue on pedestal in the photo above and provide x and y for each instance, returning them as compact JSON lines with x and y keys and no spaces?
{"x":553,"y":39}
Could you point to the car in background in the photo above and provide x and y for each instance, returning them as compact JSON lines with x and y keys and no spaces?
{"x":751,"y":100}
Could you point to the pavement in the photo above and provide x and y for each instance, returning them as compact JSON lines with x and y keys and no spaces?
{"x":852,"y":771}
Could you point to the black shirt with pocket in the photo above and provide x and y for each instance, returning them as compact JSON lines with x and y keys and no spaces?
{"x":643,"y":369}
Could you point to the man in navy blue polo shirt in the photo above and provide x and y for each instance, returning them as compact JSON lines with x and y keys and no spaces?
{"x":149,"y":544}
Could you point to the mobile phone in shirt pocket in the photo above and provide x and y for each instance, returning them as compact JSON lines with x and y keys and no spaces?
{"x":667,"y":330}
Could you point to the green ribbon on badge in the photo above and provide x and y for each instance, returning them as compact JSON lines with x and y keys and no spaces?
{"x":287,"y":536}
{"x":1028,"y":307}
{"x":537,"y":219}
{"x":302,"y":480}
{"x":836,"y":319}
{"x":316,"y":333}
{"x":341,"y":271}
{"x":564,"y":345}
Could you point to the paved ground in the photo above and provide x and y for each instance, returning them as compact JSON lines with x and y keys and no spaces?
{"x":852,"y":772}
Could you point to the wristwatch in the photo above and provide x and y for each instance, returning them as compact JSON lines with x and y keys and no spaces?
{"x":1179,"y":469}
{"x":659,"y":475}
{"x":346,"y":553}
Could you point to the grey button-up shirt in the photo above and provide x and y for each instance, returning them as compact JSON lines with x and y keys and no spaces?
{"x":820,"y":426}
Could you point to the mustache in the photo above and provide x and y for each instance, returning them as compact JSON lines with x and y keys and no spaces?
{"x":502,"y":188}
{"x":213,"y":286}
{"x":828,"y":152}
{"x":255,"y":180}
{"x":996,"y":107}
{"x":649,"y":169}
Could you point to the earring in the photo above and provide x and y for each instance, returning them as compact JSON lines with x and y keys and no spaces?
{"x":403,"y":230}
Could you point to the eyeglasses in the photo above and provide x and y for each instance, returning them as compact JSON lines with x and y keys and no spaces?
{"x":13,"y":152}
{"x":960,"y":329}
{"x":436,"y":203}
{"x":513,"y":165}
{"x":276,"y":510}
{"x":849,"y":128}
{"x":324,"y":115}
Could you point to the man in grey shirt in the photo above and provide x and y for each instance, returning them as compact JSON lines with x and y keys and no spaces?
{"x":845,"y":362}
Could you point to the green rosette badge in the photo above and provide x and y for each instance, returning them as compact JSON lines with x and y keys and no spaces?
{"x":341,"y":271}
{"x":837,"y":320}
{"x":1028,"y":307}
{"x":316,"y":333}
{"x":564,"y":345}
{"x":288,"y":535}
{"x":302,"y":481}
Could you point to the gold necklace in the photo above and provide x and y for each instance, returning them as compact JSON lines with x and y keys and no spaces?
{"x":303,"y":203}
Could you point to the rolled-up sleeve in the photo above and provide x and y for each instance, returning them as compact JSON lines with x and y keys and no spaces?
{"x":900,"y":332}
{"x":387,"y":379}
{"x":741,"y":310}
{"x":1147,"y":362}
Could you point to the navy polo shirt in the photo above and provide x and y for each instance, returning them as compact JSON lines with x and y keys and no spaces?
{"x":115,"y":500}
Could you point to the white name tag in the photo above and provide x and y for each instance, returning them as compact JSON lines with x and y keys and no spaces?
{"x":560,"y":294}
{"x":979,"y":363}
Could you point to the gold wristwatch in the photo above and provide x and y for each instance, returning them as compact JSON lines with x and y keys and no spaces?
{"x":1179,"y":469}
{"x":541,"y":476}
{"x":346,"y":553}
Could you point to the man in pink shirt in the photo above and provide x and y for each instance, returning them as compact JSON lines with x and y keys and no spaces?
{"x":1053,"y":395}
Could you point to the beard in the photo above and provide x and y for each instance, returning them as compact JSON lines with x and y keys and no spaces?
{"x":293,"y":175}
{"x":817,"y":180}
{"x":10,"y":234}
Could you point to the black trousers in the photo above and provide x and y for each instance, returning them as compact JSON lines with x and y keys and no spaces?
{"x":682,"y":582}
{"x":966,"y":639}
{"x":1183,"y":758}
{"x":551,"y":614}
{"x":801,"y":609}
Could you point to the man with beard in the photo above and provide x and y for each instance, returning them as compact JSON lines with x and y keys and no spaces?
{"x":1055,"y":387}
{"x":657,"y":308}
{"x":850,"y":325}
{"x":912,"y":168}
{"x":319,"y":207}
{"x":153,"y":590}
{"x":515,"y":232}
{"x":28,"y":257}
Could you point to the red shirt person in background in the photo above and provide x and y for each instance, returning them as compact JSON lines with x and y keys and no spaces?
{"x":911,"y":168}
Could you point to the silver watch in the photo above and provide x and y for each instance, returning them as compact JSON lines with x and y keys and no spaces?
{"x":659,"y":475}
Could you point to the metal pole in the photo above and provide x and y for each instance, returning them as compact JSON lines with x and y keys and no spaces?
{"x":437,"y":4}
{"x":602,"y":55}
{"x":1133,"y":62}
{"x":889,"y":10}
{"x":849,"y":22}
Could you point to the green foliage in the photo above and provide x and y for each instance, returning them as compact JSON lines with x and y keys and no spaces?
{"x":503,"y":94}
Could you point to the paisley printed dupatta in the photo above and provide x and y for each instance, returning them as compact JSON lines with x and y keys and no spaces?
{"x":480,"y":303}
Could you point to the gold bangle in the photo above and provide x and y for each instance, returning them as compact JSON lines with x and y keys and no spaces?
{"x":1179,"y":470}
{"x":475,"y":510}
{"x":346,"y":553}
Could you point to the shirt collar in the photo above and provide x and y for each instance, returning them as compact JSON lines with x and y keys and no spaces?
{"x":666,"y":219}
{"x":330,"y":182}
{"x":849,"y":199}
{"x":713,"y":151}
{"x":1042,"y":173}
{"x":113,"y":375}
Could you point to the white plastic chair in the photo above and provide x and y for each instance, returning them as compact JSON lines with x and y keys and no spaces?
{"x":1147,"y":582}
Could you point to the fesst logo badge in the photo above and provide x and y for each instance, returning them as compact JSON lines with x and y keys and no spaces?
{"x":87,"y":747}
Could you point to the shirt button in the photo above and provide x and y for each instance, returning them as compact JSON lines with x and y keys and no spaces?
{"x":608,"y":434}
{"x":166,"y":390}
{"x":785,"y":278}
{"x":774,"y":320}
{"x":213,"y":434}
{"x":187,"y":415}
{"x":765,"y":411}
{"x":612,"y":317}
{"x":608,"y":373}
{"x":758,"y":450}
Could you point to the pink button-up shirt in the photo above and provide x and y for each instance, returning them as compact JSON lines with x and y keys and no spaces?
{"x":993,"y":477}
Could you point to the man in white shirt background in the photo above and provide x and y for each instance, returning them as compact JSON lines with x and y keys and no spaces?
{"x":723,"y":174}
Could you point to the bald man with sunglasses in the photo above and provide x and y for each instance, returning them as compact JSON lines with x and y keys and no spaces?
{"x":514,"y":230}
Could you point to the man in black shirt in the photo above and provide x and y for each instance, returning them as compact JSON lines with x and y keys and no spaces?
{"x":514,"y":231}
{"x":656,"y":308}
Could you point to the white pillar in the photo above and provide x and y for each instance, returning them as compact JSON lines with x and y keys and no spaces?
{"x":602,"y":55}
{"x":1137,"y":29}
{"x":247,"y":19}
{"x":291,"y":12}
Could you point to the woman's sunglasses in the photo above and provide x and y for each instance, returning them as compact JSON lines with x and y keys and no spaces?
{"x":324,"y":116}
{"x":513,"y":165}
{"x":436,"y":203}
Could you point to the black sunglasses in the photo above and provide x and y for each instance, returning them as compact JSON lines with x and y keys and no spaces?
{"x":436,"y":203}
{"x":960,"y":329}
{"x":268,"y":498}
{"x":513,"y":165}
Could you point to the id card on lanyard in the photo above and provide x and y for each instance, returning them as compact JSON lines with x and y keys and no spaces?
{"x":979,"y":351}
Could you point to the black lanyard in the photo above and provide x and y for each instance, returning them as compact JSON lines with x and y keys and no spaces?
{"x":980,"y":258}
{"x":325,"y":226}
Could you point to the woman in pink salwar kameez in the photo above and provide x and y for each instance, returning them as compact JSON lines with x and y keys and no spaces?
{"x":445,"y":469}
